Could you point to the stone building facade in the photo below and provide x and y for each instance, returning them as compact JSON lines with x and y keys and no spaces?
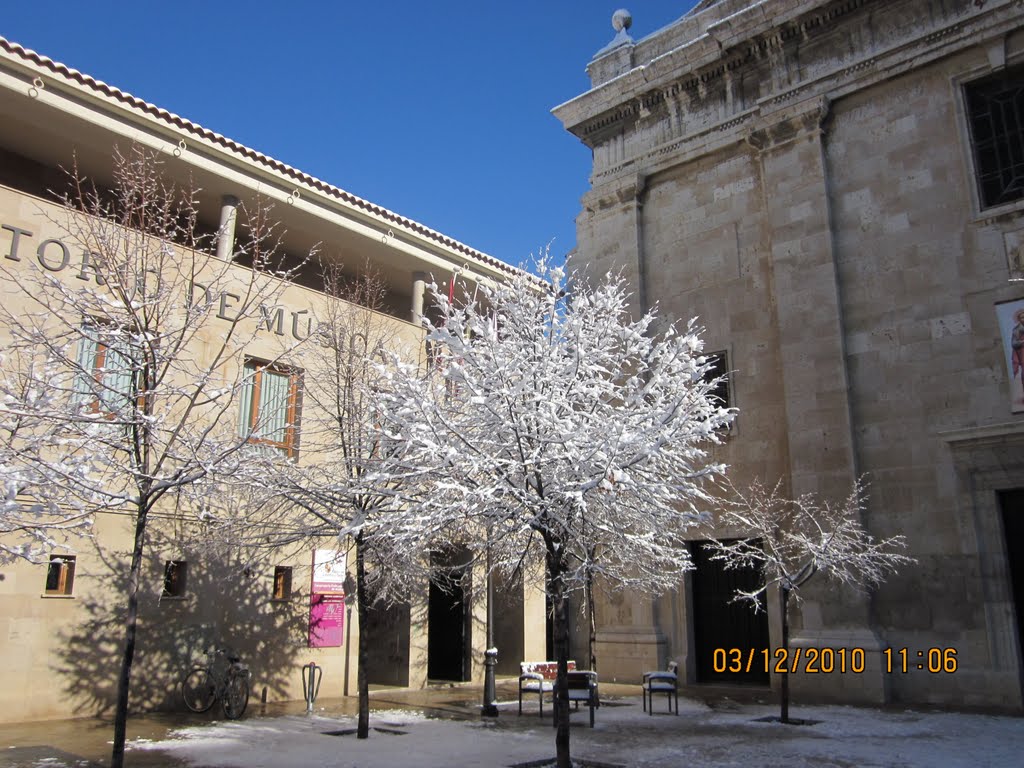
{"x":833,"y":187}
{"x":61,"y":617}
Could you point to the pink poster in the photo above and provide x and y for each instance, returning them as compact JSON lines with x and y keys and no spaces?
{"x":326,"y":620}
{"x":327,"y":599}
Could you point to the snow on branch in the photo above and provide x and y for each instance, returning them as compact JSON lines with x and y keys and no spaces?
{"x":791,"y":540}
{"x":557,"y":423}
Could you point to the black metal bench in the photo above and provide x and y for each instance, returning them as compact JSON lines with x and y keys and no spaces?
{"x":582,"y":686}
{"x":661,"y":682}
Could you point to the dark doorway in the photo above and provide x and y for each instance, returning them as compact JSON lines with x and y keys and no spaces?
{"x":721,"y":624}
{"x":1012,"y":505}
{"x":448,"y":616}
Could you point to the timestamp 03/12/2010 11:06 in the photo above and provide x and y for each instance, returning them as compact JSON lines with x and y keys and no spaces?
{"x":831,"y":660}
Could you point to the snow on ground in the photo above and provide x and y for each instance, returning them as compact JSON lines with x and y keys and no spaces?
{"x":846,"y":737}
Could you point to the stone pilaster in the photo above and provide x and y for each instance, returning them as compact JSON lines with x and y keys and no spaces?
{"x":818,"y":420}
{"x":629,"y":641}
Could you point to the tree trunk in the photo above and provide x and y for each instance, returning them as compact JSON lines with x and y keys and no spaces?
{"x":784,"y":693}
{"x":561,"y":641}
{"x":363,"y":726}
{"x":131,"y":623}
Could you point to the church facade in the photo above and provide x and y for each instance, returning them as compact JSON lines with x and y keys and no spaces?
{"x":835,"y":188}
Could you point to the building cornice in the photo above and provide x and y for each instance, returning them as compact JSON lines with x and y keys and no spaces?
{"x":680,"y":89}
{"x":720,"y":46}
{"x":39,"y":72}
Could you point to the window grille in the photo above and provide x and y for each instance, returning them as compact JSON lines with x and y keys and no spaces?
{"x":995,"y":116}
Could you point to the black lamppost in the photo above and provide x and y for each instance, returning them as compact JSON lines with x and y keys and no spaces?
{"x":490,"y":705}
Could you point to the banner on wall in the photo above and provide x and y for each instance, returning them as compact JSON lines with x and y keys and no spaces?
{"x":1011,"y":329}
{"x":328,"y":572}
{"x":326,"y":621}
{"x":327,"y":599}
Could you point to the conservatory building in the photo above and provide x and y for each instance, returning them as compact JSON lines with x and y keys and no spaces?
{"x":61,"y":617}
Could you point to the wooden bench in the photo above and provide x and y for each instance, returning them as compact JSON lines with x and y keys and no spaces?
{"x":538,"y":677}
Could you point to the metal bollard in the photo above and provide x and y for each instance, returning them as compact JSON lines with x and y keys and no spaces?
{"x":311,"y":677}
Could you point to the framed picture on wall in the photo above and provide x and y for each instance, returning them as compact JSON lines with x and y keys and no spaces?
{"x":1011,"y":330}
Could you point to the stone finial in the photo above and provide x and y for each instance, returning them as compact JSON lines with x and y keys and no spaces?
{"x":622,"y":19}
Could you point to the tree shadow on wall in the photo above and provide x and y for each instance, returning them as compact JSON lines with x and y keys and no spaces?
{"x":227,"y":601}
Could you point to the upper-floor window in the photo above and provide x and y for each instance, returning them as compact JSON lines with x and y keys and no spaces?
{"x":269,"y":413}
{"x":106,"y":376}
{"x":995,"y":117}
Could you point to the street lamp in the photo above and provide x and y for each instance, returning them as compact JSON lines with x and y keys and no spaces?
{"x":490,"y":705}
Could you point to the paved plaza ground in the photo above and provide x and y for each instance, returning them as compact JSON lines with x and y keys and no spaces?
{"x":442,"y":729}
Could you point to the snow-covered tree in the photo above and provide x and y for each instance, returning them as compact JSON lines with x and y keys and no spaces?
{"x":553,"y":425}
{"x":129,"y":371}
{"x":791,"y":540}
{"x":36,"y":517}
{"x":336,"y":489}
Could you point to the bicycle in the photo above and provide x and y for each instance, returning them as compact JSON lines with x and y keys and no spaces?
{"x":223,"y":677}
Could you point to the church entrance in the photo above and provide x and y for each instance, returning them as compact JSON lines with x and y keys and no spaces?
{"x":721,"y":624}
{"x":1011,"y":504}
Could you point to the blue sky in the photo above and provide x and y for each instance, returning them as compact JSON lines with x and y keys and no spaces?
{"x":439,"y":111}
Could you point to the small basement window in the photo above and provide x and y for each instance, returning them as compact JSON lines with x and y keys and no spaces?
{"x":282,"y":582}
{"x":174,"y":578}
{"x":60,"y":575}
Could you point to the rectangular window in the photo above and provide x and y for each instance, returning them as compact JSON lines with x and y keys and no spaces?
{"x":282,"y":582}
{"x":175,"y":572}
{"x":269,"y":412}
{"x":106,"y":377}
{"x":719,"y":370}
{"x":995,"y":119}
{"x":60,"y":575}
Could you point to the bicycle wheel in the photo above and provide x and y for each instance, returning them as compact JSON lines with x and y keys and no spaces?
{"x":197,"y":690}
{"x":236,"y":695}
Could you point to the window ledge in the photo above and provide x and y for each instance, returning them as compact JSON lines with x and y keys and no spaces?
{"x":173,"y":598}
{"x":998,"y":212}
{"x":46,"y":596}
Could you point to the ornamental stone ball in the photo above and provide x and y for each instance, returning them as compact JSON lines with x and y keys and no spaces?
{"x":622,"y":19}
